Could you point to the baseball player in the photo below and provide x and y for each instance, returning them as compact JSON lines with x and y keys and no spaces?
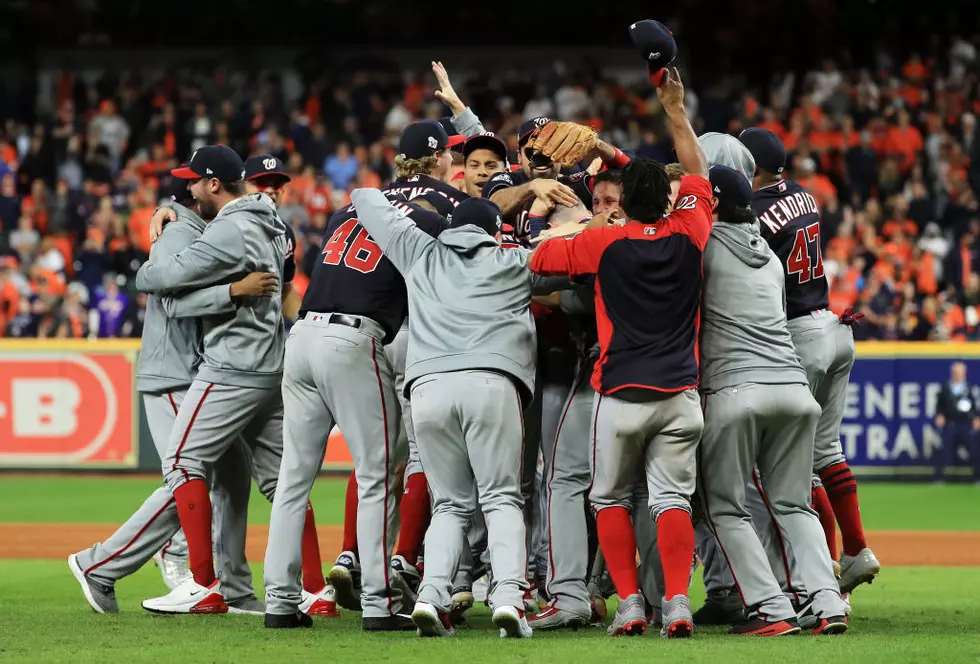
{"x":790,"y":222}
{"x":648,"y":290}
{"x":759,"y":413}
{"x":242,"y":361}
{"x":337,"y":373}
{"x":168,"y":360}
{"x":467,"y":297}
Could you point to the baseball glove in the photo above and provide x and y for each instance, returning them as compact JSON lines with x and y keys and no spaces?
{"x":566,"y":143}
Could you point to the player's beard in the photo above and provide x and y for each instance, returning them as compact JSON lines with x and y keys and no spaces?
{"x":208,"y":208}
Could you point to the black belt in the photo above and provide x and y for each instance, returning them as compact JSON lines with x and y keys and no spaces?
{"x":805,"y":313}
{"x":345,"y":320}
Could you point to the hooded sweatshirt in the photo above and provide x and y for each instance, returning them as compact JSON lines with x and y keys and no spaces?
{"x":468,"y":297}
{"x":744,"y":338}
{"x":245,"y":346}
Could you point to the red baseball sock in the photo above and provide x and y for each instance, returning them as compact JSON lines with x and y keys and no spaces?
{"x":415,"y":516}
{"x":675,"y":540}
{"x":619,"y":548}
{"x":194,"y":510}
{"x":313,"y":580}
{"x":350,"y":515}
{"x":841,"y":488}
{"x":821,"y":503}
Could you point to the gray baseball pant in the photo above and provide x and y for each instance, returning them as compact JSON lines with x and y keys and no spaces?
{"x":335,"y":374}
{"x":470,"y":435}
{"x":769,"y":427}
{"x":553,"y":398}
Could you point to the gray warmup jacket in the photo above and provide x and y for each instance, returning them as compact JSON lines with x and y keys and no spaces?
{"x":245,"y":345}
{"x":170,"y":351}
{"x":744,"y":338}
{"x":468,"y":297}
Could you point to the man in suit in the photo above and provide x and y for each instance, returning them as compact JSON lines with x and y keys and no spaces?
{"x":958,"y":418}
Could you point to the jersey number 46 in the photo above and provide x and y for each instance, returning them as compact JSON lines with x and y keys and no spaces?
{"x":804,"y":258}
{"x":361,"y":254}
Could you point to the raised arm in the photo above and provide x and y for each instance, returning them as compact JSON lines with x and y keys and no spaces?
{"x":464,"y":119}
{"x":689,"y":152}
{"x":215,"y":257}
{"x":391,"y":228}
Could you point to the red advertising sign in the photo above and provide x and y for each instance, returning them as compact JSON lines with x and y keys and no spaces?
{"x":66,"y":408}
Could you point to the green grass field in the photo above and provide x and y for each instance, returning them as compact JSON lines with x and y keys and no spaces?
{"x":909,"y":615}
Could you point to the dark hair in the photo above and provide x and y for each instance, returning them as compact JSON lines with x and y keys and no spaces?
{"x":613,"y":176}
{"x":646,"y":190}
{"x":237,"y":187}
{"x":736,"y":215}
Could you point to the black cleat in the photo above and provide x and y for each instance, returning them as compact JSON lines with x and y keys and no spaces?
{"x":289,"y":621}
{"x":395,"y":623}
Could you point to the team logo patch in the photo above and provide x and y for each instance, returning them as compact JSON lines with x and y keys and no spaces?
{"x":269,"y":164}
{"x":575,"y":177}
{"x":650,"y":230}
{"x":433,"y":143}
{"x":504,"y":177}
{"x":540,"y":122}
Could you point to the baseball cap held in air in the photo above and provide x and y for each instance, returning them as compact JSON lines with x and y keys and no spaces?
{"x":423,"y":138}
{"x":479,"y":212}
{"x":656,"y":44}
{"x":213,"y":161}
{"x":766,"y":149}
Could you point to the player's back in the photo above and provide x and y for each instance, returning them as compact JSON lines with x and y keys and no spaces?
{"x":790,"y":222}
{"x":354,"y":277}
{"x":416,"y":186}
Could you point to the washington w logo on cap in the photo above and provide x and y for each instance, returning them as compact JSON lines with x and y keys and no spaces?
{"x":269,"y":164}
{"x":541,"y":121}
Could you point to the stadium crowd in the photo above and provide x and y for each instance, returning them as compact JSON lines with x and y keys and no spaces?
{"x":889,"y":149}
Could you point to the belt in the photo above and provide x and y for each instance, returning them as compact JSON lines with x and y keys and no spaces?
{"x":807,"y":313}
{"x":344,"y":319}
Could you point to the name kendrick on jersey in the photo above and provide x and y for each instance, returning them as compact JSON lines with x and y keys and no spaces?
{"x":787,"y":209}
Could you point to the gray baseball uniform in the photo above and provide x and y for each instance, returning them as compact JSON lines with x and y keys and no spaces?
{"x":242,"y":352}
{"x":470,"y":369}
{"x":168,"y":360}
{"x":758,"y":412}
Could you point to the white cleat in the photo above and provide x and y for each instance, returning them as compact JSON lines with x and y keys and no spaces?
{"x":512,"y":623}
{"x":431,"y":622}
{"x":855,"y":570}
{"x":189,"y":597}
{"x":322,"y":604}
{"x":173,"y":573}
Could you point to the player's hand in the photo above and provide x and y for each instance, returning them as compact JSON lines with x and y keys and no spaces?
{"x":446,"y":93}
{"x":850,"y":317}
{"x":671,"y":91}
{"x":541,"y":208}
{"x":159,"y":218}
{"x":256,"y":284}
{"x":607,"y":218}
{"x":940,"y":421}
{"x":554,"y":192}
{"x":552,"y":300}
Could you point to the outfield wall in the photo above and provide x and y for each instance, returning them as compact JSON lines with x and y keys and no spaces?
{"x":69,"y":405}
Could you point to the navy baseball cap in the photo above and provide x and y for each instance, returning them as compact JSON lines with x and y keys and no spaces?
{"x":730,"y":187}
{"x":528,"y":127}
{"x":485,"y":141}
{"x":455,"y":138}
{"x":422,"y":139}
{"x":180,"y":188}
{"x":260,"y":165}
{"x":481,"y":212}
{"x":766,"y":149}
{"x":213,"y":161}
{"x":655,"y":42}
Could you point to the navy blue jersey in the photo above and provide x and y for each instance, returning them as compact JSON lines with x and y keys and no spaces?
{"x":289,"y":264}
{"x":790,"y":222}
{"x":517,"y":229}
{"x":354,"y":277}
{"x":416,"y":186}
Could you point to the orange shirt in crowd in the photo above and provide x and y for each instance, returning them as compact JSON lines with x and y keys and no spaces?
{"x":319,"y":200}
{"x":775,"y":127}
{"x":139,"y":227}
{"x":9,"y":301}
{"x":904,"y":143}
{"x":821,"y":187}
{"x":48,"y":282}
{"x":955,"y":323}
{"x":925,"y":276}
{"x":906,"y":226}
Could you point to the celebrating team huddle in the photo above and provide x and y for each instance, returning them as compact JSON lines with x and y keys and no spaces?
{"x":576,"y":378}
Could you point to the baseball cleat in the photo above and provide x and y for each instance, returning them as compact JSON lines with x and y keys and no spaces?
{"x":322,"y":604}
{"x":677,"y":619}
{"x":251,"y":606}
{"x":720,"y":608}
{"x":431,"y":621}
{"x":831,"y":625}
{"x":405,"y":577}
{"x":512,"y":623}
{"x":855,"y":570}
{"x":630,"y":618}
{"x":805,"y":616}
{"x":101,"y":598}
{"x":762,"y":627}
{"x":530,"y":601}
{"x":345,"y":577}
{"x":462,"y":602}
{"x":174,"y":573}
{"x":396,"y":623}
{"x":189,"y":597}
{"x":551,"y":617}
{"x":290,"y":621}
{"x":847,"y":603}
